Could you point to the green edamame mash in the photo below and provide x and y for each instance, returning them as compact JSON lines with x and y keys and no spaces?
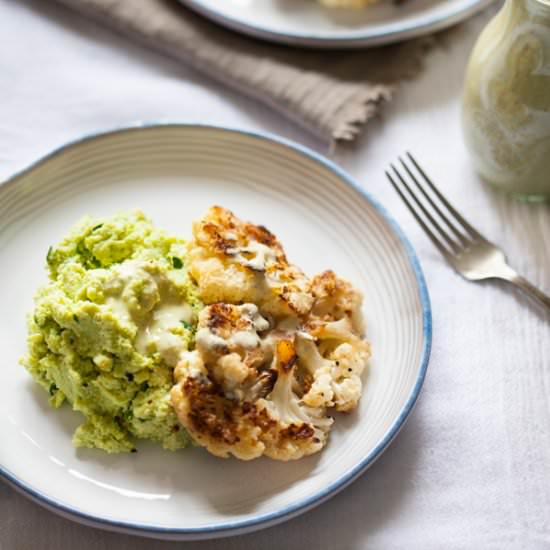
{"x":108,"y":328}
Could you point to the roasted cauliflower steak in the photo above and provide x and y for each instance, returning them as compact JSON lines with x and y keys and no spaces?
{"x":275,"y":352}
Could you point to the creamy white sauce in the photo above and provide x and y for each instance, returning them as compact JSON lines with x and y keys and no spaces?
{"x":119,"y":307}
{"x":154,"y":332}
{"x":207,"y":341}
{"x":170,"y":346}
{"x":157,"y":332}
{"x":128,"y":269}
{"x":245,"y":339}
{"x":171,"y":315}
{"x":251,"y":311}
{"x":263,"y":256}
{"x":122,"y":273}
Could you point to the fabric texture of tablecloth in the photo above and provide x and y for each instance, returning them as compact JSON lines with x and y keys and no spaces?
{"x":470,"y":469}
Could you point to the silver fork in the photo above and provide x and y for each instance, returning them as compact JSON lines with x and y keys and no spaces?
{"x":468,"y":252}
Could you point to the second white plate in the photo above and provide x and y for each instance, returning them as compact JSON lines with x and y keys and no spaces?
{"x":307,"y":23}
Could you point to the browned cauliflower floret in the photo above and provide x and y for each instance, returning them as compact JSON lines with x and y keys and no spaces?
{"x":335,"y":298}
{"x":330,"y":346}
{"x":294,"y":429}
{"x":235,"y":262}
{"x":221,"y":424}
{"x":335,"y":364}
{"x":232,"y":405}
{"x":228,"y":341}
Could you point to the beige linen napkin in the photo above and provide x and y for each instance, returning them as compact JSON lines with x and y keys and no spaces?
{"x":333,"y":94}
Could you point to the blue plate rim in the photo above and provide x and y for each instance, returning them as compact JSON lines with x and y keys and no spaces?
{"x":387,"y":34}
{"x":303,"y":505}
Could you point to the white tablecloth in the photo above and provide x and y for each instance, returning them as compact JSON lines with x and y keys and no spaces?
{"x":471,"y":469}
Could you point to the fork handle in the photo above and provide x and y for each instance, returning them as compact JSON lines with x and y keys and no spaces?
{"x":529,"y":289}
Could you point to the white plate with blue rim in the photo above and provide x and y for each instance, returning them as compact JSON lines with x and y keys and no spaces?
{"x":307,"y":23}
{"x":174,"y":172}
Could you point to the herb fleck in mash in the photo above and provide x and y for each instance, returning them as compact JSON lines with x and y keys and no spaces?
{"x":109,"y":327}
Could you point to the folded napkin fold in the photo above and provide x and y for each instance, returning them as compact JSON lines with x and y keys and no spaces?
{"x":333,"y":94}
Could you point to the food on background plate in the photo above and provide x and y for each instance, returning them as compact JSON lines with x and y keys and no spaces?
{"x":220,"y":341}
{"x":353,"y":4}
{"x":348,"y":3}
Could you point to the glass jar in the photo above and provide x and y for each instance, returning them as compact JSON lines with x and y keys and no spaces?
{"x":506,"y":101}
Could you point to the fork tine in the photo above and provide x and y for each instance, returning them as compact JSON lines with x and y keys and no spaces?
{"x":473,"y":232}
{"x":419,"y":219}
{"x":456,"y":233}
{"x":452,"y":244}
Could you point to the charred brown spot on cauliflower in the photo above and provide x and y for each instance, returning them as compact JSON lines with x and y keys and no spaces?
{"x":236,"y":262}
{"x":228,"y":339}
{"x":226,"y":319}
